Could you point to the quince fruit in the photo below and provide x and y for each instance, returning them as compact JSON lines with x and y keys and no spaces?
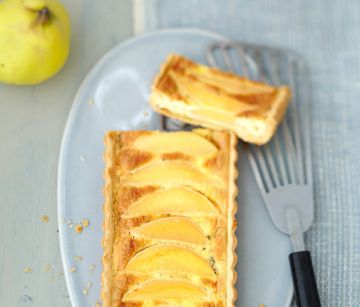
{"x":34,"y":40}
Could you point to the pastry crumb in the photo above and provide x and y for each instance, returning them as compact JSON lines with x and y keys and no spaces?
{"x":60,"y":274}
{"x":92,"y":268}
{"x":69,"y":223}
{"x":146,"y":114}
{"x":63,"y":221}
{"x":262,"y":305}
{"x":73,"y":269}
{"x":78,"y":258}
{"x":45,"y":218}
{"x":88,"y":286}
{"x":91,"y":102}
{"x":85,"y":223}
{"x":78,"y":228}
{"x":28,"y":270}
{"x":96,"y":304}
{"x":47,"y":268}
{"x":82,"y":158}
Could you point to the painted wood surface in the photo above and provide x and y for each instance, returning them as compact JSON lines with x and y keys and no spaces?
{"x":32,"y":120}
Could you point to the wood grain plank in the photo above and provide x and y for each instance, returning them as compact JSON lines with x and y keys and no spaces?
{"x":32,"y":120}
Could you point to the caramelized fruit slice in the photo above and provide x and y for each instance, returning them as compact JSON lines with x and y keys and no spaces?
{"x":164,"y":258}
{"x":186,"y":142}
{"x":176,"y":201}
{"x":237,"y":86}
{"x":172,"y":229}
{"x":169,"y":174}
{"x":165,"y":290}
{"x":207,"y":97}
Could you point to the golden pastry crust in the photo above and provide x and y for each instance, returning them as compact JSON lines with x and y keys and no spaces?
{"x":206,"y":96}
{"x":169,"y":219}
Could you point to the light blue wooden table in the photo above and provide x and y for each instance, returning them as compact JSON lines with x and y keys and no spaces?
{"x":32,"y":120}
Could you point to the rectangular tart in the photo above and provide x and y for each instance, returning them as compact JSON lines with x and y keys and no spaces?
{"x":169,"y":219}
{"x":215,"y":99}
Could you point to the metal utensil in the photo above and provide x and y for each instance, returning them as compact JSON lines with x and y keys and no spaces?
{"x":282,"y":168}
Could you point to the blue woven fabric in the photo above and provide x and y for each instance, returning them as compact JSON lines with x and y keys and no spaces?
{"x":327,"y":35}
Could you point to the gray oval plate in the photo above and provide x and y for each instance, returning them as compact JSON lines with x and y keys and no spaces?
{"x":114,"y":96}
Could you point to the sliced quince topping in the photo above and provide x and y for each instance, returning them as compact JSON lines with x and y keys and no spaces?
{"x":172,"y":259}
{"x":176,"y":201}
{"x":179,"y":229}
{"x":169,"y":173}
{"x":185,"y":142}
{"x":237,"y":86}
{"x":165,"y":290}
{"x":200,"y":94}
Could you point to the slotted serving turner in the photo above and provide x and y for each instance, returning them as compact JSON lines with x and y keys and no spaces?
{"x":282,"y":168}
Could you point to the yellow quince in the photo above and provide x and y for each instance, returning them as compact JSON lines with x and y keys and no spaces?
{"x":34,"y":40}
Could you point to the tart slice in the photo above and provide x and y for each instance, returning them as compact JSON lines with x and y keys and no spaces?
{"x":169,"y":219}
{"x":206,"y":96}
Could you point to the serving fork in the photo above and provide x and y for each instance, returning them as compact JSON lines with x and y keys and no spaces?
{"x":283,"y":167}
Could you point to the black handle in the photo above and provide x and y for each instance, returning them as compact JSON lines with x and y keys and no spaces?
{"x":306,"y":292}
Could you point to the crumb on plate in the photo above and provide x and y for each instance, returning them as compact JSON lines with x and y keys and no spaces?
{"x":92,"y":268}
{"x":78,"y":258}
{"x":82,"y":158}
{"x":85,"y":223}
{"x":45,"y":218}
{"x":47,"y":267}
{"x":78,"y":228}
